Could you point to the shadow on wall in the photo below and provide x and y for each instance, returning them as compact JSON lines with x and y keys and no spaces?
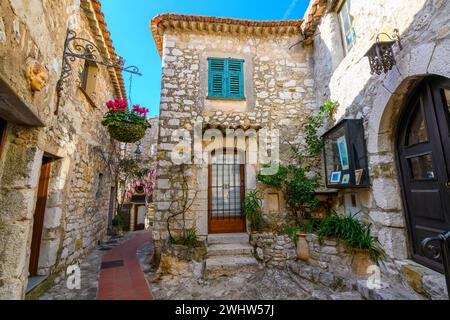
{"x":381,"y":102}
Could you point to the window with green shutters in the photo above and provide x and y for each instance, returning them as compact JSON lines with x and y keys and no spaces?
{"x":225,"y":78}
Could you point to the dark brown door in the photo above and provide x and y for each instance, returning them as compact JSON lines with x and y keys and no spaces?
{"x":3,"y":133}
{"x":140,"y":212}
{"x":226,"y":193}
{"x":38,"y":218}
{"x":424,"y":159}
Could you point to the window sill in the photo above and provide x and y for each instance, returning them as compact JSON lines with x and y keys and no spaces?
{"x":88,"y":97}
{"x":226,"y":99}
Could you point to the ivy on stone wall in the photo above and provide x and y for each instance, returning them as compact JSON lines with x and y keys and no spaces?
{"x":313,"y":123}
{"x":297,"y":182}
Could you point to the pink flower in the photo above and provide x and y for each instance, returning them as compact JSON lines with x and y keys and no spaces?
{"x":123,"y":104}
{"x":110,"y":104}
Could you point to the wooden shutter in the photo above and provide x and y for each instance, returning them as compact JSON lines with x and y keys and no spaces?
{"x":235,"y":79}
{"x":225,"y":78}
{"x":216,"y":78}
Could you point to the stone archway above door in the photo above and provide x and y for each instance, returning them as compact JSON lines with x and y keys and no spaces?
{"x":423,"y":160}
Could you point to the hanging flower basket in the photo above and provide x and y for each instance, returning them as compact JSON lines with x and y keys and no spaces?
{"x":127,"y":132}
{"x":125,"y":125}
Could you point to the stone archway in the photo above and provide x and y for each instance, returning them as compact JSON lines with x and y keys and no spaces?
{"x":390,"y":101}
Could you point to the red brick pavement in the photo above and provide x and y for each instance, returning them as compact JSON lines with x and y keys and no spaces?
{"x":126,"y":282}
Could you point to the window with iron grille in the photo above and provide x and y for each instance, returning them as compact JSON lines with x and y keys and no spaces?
{"x":226,"y":78}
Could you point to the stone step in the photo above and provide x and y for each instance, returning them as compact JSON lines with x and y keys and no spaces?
{"x":347,"y":295}
{"x":227,"y":238}
{"x":228,"y":265}
{"x":230,"y":249}
{"x":386,"y":292}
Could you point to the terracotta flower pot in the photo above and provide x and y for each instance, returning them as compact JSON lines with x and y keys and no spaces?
{"x":302,"y":246}
{"x":127,"y":132}
{"x":361,"y":262}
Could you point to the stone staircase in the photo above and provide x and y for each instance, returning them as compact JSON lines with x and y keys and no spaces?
{"x":228,"y":254}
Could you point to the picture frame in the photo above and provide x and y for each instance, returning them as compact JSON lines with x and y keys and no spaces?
{"x":346,"y":179}
{"x":358,"y":176}
{"x":335,"y":177}
{"x":343,"y":153}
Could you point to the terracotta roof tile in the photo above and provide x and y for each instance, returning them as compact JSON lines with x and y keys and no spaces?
{"x":313,"y":16}
{"x":107,"y":36}
{"x":159,"y":20}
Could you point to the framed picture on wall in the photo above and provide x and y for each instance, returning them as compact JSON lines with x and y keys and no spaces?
{"x":346,"y":179}
{"x":343,"y":154}
{"x":335,"y":177}
{"x":358,"y":176}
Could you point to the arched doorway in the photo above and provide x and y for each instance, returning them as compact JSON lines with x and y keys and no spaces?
{"x":423,"y":154}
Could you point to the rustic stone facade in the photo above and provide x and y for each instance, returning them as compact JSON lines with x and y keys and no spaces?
{"x":77,"y":205}
{"x":285,"y":82}
{"x":378,"y":100}
{"x":279,"y":93}
{"x":148,"y":148}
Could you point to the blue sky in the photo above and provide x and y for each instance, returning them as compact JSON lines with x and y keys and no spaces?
{"x":129,"y":23}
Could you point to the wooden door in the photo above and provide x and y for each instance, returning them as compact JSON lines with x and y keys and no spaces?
{"x":38,"y":218}
{"x":424,"y":158}
{"x":226,"y":190}
{"x":140,"y":212}
{"x":3,"y":134}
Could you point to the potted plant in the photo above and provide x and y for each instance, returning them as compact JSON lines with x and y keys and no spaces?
{"x":302,"y":245}
{"x":253,"y":211}
{"x":356,"y":236}
{"x":125,"y":125}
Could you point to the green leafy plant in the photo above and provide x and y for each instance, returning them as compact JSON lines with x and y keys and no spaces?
{"x":188,"y":238}
{"x":125,"y":125}
{"x":252,"y":210}
{"x":354,"y":233}
{"x":118,"y":221}
{"x":298,"y":188}
{"x":275,"y":180}
{"x":292,"y":231}
{"x":306,"y":227}
{"x":313,"y":123}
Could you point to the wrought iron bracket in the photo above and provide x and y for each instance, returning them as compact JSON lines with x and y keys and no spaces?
{"x":80,"y":48}
{"x":381,"y":55}
{"x":395,"y":37}
{"x":438,"y":248}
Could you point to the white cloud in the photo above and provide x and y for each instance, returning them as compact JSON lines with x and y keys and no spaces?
{"x":289,"y":10}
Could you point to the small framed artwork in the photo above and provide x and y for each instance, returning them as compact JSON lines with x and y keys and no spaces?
{"x":358,"y":176}
{"x":346,"y":179}
{"x":335,"y":177}
{"x":343,"y":154}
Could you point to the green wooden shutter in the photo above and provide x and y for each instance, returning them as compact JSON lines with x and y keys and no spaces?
{"x":216,"y":77}
{"x":235,"y":78}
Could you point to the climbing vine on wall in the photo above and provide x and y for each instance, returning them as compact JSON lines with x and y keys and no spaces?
{"x":296,"y":181}
{"x":314,"y":123}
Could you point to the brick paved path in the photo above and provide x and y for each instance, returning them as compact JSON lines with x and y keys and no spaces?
{"x":121,"y":276}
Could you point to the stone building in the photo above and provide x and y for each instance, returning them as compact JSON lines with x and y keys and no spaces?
{"x":285,"y":70}
{"x":270,"y":87}
{"x":408,"y":197}
{"x":54,"y":167}
{"x":139,"y":209}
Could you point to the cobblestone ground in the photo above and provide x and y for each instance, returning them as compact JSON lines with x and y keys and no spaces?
{"x":276,"y":284}
{"x":90,"y":267}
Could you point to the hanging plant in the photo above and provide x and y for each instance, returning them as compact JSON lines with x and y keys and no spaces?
{"x":125,"y":125}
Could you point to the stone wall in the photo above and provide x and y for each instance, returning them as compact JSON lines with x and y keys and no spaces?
{"x":330,"y":264}
{"x":272,"y":249}
{"x":279,"y":92}
{"x":346,"y":78}
{"x":78,"y":197}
